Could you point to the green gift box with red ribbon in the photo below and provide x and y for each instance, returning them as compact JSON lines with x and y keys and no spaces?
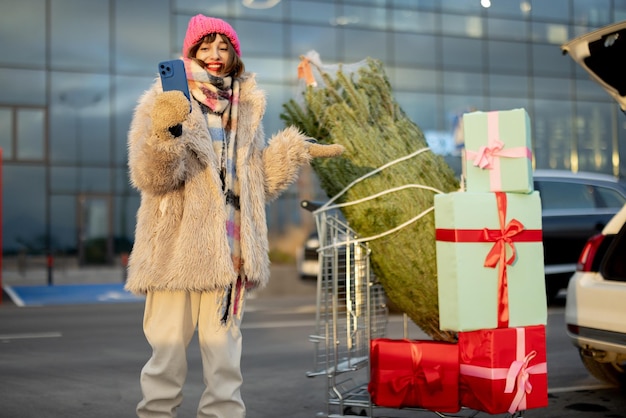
{"x":498,"y":156}
{"x":414,"y":374}
{"x":490,"y":270}
{"x":503,"y":370}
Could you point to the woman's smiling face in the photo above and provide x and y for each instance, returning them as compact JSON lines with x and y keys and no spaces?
{"x":215,"y":55}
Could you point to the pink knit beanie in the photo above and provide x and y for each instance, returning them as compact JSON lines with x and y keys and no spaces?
{"x":200,"y":26}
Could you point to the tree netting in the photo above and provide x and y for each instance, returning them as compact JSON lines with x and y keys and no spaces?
{"x":388,"y":168}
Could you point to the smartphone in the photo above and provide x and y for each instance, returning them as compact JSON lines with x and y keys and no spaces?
{"x":173,"y":76}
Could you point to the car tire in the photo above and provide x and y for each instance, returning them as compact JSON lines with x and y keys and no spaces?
{"x":611,"y":373}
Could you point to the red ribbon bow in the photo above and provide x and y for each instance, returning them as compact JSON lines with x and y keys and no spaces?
{"x":497,"y":255}
{"x":406,"y":384}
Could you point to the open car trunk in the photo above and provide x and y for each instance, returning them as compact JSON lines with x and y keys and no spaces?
{"x":601,"y":53}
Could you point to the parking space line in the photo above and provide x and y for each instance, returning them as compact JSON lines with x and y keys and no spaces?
{"x":24,"y":336}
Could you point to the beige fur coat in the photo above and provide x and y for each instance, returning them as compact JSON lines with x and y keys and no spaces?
{"x":180,"y":236}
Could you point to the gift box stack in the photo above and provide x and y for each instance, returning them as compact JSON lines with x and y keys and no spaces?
{"x":491,"y":287}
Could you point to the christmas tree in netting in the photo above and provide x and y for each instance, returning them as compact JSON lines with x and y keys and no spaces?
{"x":386,"y":157}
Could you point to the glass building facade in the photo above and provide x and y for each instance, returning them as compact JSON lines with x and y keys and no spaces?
{"x":71,"y":72}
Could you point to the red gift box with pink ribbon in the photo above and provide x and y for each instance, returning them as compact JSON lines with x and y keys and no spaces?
{"x":498,"y":156}
{"x":414,"y":373}
{"x":503,"y":370}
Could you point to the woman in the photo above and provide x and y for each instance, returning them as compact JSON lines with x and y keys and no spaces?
{"x":205,"y":177}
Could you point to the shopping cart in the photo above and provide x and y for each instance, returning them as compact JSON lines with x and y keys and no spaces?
{"x":351,"y":310}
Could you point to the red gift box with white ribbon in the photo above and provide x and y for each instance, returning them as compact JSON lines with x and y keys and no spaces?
{"x":503,"y":370}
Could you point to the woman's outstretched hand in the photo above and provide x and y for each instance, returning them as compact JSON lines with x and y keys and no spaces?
{"x":324,"y":151}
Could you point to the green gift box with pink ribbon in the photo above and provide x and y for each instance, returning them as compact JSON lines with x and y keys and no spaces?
{"x":498,"y":155}
{"x":490,"y":270}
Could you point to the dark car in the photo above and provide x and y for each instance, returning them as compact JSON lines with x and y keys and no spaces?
{"x":575,"y":206}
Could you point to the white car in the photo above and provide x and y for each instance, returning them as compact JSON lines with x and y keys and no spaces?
{"x":595,"y":308}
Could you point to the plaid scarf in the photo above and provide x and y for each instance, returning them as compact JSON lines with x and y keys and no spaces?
{"x":219,"y":98}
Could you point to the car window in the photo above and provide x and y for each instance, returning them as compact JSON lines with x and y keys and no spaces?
{"x":609,"y":198}
{"x":561,"y":195}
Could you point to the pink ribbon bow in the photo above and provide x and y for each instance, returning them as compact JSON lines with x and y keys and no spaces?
{"x":519,"y":373}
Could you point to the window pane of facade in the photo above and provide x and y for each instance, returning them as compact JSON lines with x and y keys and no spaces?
{"x":270,"y":70}
{"x":415,"y":4}
{"x":588,"y":89}
{"x":556,"y":10}
{"x":463,"y":83}
{"x":553,"y":134}
{"x":258,"y":9}
{"x":27,"y":41}
{"x":420,"y":50}
{"x":370,"y":17}
{"x":549,"y":61}
{"x":324,"y":40}
{"x":63,"y":224}
{"x":470,"y":26}
{"x":6,"y":133}
{"x":517,"y":9}
{"x":413,"y":79}
{"x":553,"y":33}
{"x":593,"y":136}
{"x":413,"y":21}
{"x":365,"y":43}
{"x":79,"y":118}
{"x":619,"y":10}
{"x":507,"y":29}
{"x":462,"y":6}
{"x":455,"y":104}
{"x":192,"y":7}
{"x":78,"y":41}
{"x":24,"y":221}
{"x":64,"y":179}
{"x":30,"y":134}
{"x":22,"y":87}
{"x":122,"y":181}
{"x":592,"y":12}
{"x":277,"y":94}
{"x":421,"y":108}
{"x":312,"y":11}
{"x":94,"y":180}
{"x":127,"y":91}
{"x":124,"y":209}
{"x":134,"y":52}
{"x":508,"y":85}
{"x":507,"y":57}
{"x":462,"y":54}
{"x":552,"y":88}
{"x":257,"y":39}
{"x":511,"y":102}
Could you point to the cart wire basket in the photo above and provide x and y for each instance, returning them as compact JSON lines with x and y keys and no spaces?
{"x":351,"y":310}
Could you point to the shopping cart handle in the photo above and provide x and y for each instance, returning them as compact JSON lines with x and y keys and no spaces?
{"x":310,"y":205}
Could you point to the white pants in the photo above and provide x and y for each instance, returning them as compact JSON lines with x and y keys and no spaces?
{"x":170,"y":320}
